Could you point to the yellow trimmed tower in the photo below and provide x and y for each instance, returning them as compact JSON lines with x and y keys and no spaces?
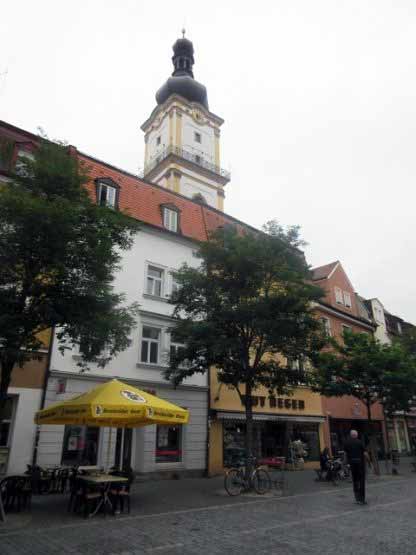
{"x":182,"y":137}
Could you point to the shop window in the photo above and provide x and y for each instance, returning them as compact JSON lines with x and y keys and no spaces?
{"x":234,"y":450}
{"x":168,"y":444}
{"x":150,"y":345}
{"x":6,"y":423}
{"x":308,"y":435}
{"x":80,"y":445}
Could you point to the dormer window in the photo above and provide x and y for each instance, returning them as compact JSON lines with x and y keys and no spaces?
{"x":107,"y":192}
{"x":170,"y":218}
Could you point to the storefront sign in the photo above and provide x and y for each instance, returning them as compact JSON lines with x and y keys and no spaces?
{"x":276,"y":402}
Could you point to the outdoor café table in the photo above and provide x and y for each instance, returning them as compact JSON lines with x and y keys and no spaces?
{"x":105,"y":480}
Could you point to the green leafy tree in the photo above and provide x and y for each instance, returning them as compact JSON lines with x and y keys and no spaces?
{"x":59,"y":251}
{"x":368,"y":370}
{"x":246,"y":310}
{"x":408,"y":340}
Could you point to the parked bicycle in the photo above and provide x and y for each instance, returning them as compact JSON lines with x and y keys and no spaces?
{"x":235,"y":481}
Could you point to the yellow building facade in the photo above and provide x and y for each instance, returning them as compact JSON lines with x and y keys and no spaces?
{"x":278,"y":422}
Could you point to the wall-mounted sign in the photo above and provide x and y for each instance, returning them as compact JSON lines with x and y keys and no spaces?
{"x":276,"y":402}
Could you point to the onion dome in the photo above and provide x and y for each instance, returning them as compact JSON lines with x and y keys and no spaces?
{"x":182,"y":81}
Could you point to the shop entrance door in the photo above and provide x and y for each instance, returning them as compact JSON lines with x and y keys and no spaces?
{"x":273,"y":439}
{"x":125,"y":445}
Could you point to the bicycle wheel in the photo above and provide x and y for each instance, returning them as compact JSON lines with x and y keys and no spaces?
{"x":261,"y":481}
{"x":234,"y":482}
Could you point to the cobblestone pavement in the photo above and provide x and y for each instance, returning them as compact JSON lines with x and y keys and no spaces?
{"x":324,"y":520}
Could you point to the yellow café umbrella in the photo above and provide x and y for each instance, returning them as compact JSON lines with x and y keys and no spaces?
{"x":114,"y":404}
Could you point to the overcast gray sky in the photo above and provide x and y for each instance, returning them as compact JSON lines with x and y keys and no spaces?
{"x":318,"y":99}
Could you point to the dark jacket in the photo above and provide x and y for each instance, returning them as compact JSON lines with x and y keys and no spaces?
{"x":354,"y":449}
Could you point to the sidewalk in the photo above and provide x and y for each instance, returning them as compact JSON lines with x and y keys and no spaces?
{"x":164,"y":496}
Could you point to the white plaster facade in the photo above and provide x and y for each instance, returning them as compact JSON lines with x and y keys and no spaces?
{"x":26,"y":402}
{"x":167,"y":252}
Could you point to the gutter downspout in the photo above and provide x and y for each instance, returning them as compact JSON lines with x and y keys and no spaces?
{"x":208,"y":421}
{"x":43,"y":398}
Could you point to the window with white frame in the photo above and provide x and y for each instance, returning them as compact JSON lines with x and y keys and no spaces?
{"x":154,"y":281}
{"x":150,"y":347}
{"x":347,"y":299}
{"x":326,"y":322}
{"x":170,"y":219}
{"x":338,"y":296}
{"x":106,"y":195}
{"x":197,"y":137}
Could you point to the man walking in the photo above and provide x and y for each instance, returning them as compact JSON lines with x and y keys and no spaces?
{"x":356,"y":455}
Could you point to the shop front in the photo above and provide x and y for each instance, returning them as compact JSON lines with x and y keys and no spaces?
{"x":280,"y":424}
{"x":154,"y":449}
{"x":343,"y":414}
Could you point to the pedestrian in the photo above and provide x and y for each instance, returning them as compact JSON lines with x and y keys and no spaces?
{"x":356,"y":456}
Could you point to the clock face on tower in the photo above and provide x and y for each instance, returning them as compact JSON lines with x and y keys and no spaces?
{"x":198,"y":116}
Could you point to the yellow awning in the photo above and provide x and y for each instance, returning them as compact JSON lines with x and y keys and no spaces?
{"x":114,"y":404}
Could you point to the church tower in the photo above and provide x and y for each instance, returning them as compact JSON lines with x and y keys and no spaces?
{"x":182,"y":136}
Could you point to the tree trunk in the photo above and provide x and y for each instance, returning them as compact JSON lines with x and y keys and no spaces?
{"x":249,"y":432}
{"x":372,"y":439}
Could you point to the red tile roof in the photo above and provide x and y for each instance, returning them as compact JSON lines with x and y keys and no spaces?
{"x":322,"y":272}
{"x":141,"y":199}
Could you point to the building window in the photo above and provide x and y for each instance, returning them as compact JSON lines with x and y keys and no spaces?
{"x":347,"y":299}
{"x":346,"y":328}
{"x":338,"y":296}
{"x":158,"y":140}
{"x":197,"y":137}
{"x":197,"y":159}
{"x":154,"y":281}
{"x":6,"y":423}
{"x":326,"y":322}
{"x":80,"y":445}
{"x":170,"y":219}
{"x":150,"y":345}
{"x":106,"y":195}
{"x":168,"y":444}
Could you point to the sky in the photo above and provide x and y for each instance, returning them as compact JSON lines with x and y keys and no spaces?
{"x":318,"y":99}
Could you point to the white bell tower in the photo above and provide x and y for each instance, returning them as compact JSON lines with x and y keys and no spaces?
{"x":182,"y":137}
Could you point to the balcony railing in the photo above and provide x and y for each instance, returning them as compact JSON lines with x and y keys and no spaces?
{"x":190,"y":157}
